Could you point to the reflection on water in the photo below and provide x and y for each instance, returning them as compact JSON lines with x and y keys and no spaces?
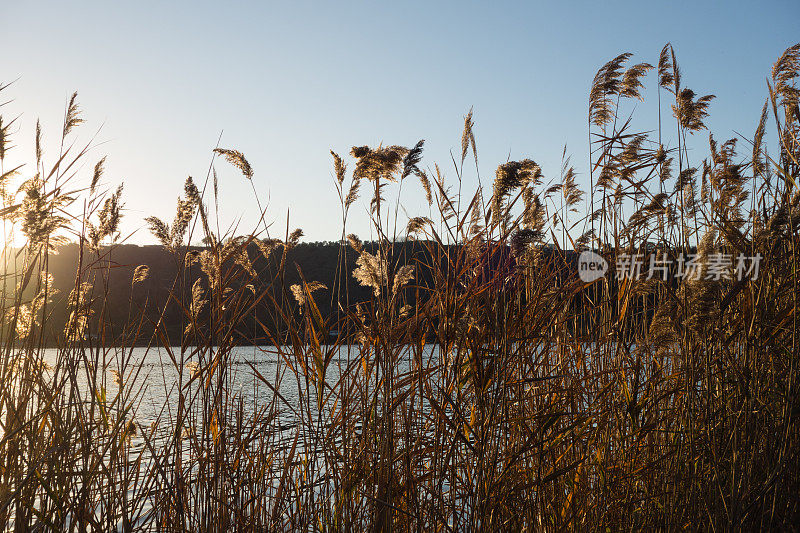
{"x":153,"y":377}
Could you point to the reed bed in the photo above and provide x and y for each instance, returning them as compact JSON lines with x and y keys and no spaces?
{"x":484,"y":386}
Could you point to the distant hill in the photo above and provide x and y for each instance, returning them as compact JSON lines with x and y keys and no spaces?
{"x":123,"y":303}
{"x":131,"y":311}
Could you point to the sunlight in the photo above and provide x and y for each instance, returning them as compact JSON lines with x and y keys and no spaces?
{"x":10,"y":236}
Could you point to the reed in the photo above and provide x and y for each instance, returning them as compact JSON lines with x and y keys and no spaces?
{"x":482,"y":386}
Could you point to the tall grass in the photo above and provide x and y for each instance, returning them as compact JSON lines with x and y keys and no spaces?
{"x":484,"y":386}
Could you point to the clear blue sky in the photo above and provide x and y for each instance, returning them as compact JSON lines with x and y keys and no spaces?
{"x":289,"y":81}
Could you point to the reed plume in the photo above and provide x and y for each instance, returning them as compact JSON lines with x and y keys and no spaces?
{"x":237,"y":159}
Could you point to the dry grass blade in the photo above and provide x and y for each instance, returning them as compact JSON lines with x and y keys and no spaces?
{"x":478,"y":379}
